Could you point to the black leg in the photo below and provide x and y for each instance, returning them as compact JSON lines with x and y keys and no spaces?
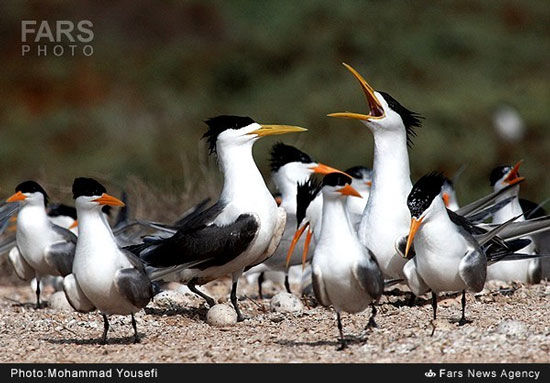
{"x":261,"y":279}
{"x":372,"y":322}
{"x":105,"y":329}
{"x":287,"y":284}
{"x":134,"y":325}
{"x":37,"y":293}
{"x":463,"y":319}
{"x":343,"y":344}
{"x":211,"y":302}
{"x":412,"y":300}
{"x":240,"y":317}
{"x":434,"y":304}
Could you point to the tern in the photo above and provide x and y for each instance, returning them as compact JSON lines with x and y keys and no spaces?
{"x":241,"y":230}
{"x":43,"y":248}
{"x":386,"y":218}
{"x":104,"y":276}
{"x":289,"y":166}
{"x":345,"y":274}
{"x":451,"y":253}
{"x":362,"y":182}
{"x":528,"y":270}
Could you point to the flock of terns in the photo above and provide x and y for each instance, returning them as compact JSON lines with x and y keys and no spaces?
{"x":364,"y":229}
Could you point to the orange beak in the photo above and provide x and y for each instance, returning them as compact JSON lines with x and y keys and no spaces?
{"x":306,"y":248}
{"x":17,"y":197}
{"x":446,"y":199}
{"x":376,"y":111}
{"x":278,"y":200}
{"x":513,"y":177}
{"x":415,"y":224}
{"x":325,"y":169}
{"x":297,"y":236}
{"x":349,"y":190}
{"x":107,"y":199}
{"x":73,"y":225}
{"x":368,"y":183}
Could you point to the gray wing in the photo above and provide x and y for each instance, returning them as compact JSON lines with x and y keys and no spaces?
{"x":66,"y":234}
{"x":60,"y":256}
{"x":133,"y":283}
{"x":368,"y":275}
{"x":319,"y":287}
{"x":473,"y":269}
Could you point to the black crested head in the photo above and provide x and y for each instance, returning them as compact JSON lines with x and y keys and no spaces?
{"x":423,"y":193}
{"x":358,"y":172}
{"x":306,"y":193}
{"x":498,"y":173}
{"x":218,"y":124}
{"x":411,"y":119}
{"x":282,"y":154}
{"x":32,"y":187}
{"x":336,"y":179}
{"x":88,"y":187}
{"x":57,"y":209}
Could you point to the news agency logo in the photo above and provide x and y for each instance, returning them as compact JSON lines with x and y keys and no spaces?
{"x":430,"y":374}
{"x":59,"y":38}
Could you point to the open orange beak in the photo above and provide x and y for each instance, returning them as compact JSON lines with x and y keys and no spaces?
{"x":295,"y":240}
{"x":376,"y":111}
{"x":17,"y":197}
{"x":325,"y":169}
{"x":73,"y":225}
{"x":513,"y":177}
{"x":107,"y":199}
{"x":349,"y":190}
{"x":446,"y":199}
{"x":415,"y":224}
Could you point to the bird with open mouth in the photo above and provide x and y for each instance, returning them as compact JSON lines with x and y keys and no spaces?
{"x":241,"y":230}
{"x":386,"y":217}
{"x":526,"y":271}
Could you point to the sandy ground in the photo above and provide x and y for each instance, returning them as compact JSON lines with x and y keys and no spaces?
{"x":509,"y":325}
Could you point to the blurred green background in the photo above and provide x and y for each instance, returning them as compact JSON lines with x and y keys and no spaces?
{"x":134,"y":109}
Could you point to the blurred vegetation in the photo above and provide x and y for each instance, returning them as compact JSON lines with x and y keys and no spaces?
{"x":134,"y":109}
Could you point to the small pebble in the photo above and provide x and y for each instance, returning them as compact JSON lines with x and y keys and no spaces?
{"x":512,"y":327}
{"x":58,"y":301}
{"x":286,"y":303}
{"x":221,"y":315}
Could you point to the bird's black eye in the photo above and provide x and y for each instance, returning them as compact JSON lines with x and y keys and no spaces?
{"x":423,"y":193}
{"x":282,"y":154}
{"x":336,"y":179}
{"x":219,"y":124}
{"x":32,"y":187}
{"x":88,"y":187}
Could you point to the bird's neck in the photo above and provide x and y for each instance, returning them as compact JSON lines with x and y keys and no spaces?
{"x":94,"y":228}
{"x":391,"y":173}
{"x":335,"y":221}
{"x":508,"y":211}
{"x":288,"y":197}
{"x":241,"y":175}
{"x":438,"y":228}
{"x":32,"y":215}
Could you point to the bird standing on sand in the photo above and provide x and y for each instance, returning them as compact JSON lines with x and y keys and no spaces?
{"x":104,"y":276}
{"x":241,"y":230}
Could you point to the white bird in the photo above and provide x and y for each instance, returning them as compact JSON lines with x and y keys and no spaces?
{"x":450,"y":253}
{"x":528,"y":270}
{"x":104,"y":276}
{"x":362,"y":182}
{"x":345,"y":274}
{"x":386,"y":217}
{"x":241,"y":230}
{"x":43,"y":248}
{"x":289,"y":166}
